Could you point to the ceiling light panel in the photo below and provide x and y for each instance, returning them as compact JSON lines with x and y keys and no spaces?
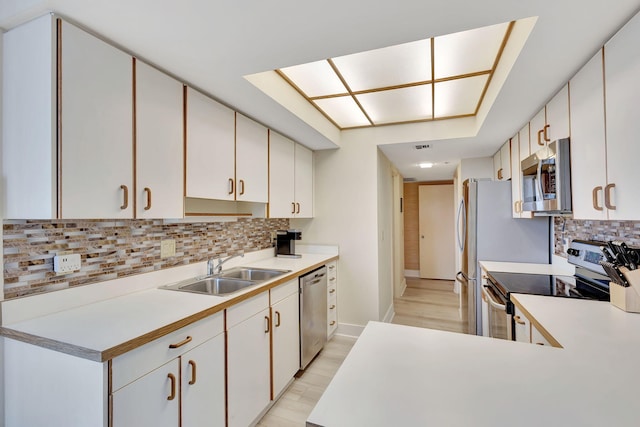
{"x":458,"y":97}
{"x":315,"y":79}
{"x":398,"y":105}
{"x":390,"y":66}
{"x":468,"y":51}
{"x":343,"y":110}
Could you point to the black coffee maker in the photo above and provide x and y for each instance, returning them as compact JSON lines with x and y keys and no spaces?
{"x":286,"y":243}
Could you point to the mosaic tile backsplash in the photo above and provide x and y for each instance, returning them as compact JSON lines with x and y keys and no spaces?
{"x":111,"y":249}
{"x":571,"y":229}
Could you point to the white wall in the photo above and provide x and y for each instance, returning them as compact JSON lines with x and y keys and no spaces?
{"x":345,"y":213}
{"x":1,"y":246}
{"x":385,"y":237}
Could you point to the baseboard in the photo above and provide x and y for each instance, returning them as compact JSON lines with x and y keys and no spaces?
{"x":348,"y":330}
{"x":403,"y":286}
{"x":388,"y":317}
{"x":412,"y":273}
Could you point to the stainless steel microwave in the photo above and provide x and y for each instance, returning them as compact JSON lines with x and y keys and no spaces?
{"x":546,"y":179}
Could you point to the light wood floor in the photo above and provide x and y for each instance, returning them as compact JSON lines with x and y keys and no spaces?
{"x":428,"y":304}
{"x":425,"y":303}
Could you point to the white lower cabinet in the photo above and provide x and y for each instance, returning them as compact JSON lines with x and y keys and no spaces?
{"x":332,"y":298}
{"x":522,"y":326}
{"x":537,"y":337}
{"x":248,"y":362}
{"x":285,"y":327}
{"x":187,"y":390}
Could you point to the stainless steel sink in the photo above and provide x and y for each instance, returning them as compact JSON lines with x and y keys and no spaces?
{"x":214,"y":286}
{"x":227,"y":282}
{"x":254,"y":274}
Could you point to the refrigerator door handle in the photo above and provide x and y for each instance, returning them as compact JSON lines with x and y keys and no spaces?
{"x":461,"y":236}
{"x":461,"y":277}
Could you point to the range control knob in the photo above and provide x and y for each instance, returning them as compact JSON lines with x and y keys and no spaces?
{"x":573,"y":252}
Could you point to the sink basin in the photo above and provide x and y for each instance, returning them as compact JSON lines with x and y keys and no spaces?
{"x":253,"y":274}
{"x":215,"y":286}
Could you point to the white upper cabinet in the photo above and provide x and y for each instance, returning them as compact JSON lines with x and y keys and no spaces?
{"x":96,"y":128}
{"x":515,"y":176}
{"x":290,"y":178}
{"x":537,"y":125}
{"x":159,"y":144}
{"x":557,"y":124}
{"x":210,"y":149}
{"x":588,"y":148}
{"x":252,"y":161}
{"x":622,"y":68}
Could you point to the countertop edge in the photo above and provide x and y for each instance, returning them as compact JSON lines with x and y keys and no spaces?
{"x":110,"y":353}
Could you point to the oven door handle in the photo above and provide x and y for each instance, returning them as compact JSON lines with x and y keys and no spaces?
{"x":491,"y":301}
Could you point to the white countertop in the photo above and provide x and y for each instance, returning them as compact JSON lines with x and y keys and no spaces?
{"x":405,"y":376}
{"x":528,"y":268}
{"x":97,"y":329}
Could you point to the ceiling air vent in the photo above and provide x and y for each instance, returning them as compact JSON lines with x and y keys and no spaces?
{"x":409,"y":179}
{"x":422,"y":146}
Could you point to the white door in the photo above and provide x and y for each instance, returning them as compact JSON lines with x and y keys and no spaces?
{"x":210,"y":148}
{"x":303,"y":182}
{"x":159,"y":144}
{"x":285,"y":323}
{"x":248,"y":369}
{"x":437,"y":235}
{"x":96,"y":128}
{"x":281,"y":176}
{"x":203,"y":384}
{"x":252,"y":161}
{"x":150,"y":401}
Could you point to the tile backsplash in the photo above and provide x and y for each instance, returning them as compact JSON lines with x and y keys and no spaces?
{"x":117,"y":248}
{"x":571,"y":229}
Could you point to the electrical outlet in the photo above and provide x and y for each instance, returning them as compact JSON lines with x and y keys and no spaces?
{"x":69,"y":263}
{"x":167,"y":248}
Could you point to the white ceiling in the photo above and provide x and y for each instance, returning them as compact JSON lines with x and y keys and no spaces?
{"x":212,"y":44}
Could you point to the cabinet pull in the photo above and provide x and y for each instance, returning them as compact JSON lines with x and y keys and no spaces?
{"x":332,"y":307}
{"x":500,"y":174}
{"x":333,"y":322}
{"x":332,"y":290}
{"x":540,"y":133}
{"x":594,"y":198}
{"x":293,"y":207}
{"x":546,"y":134}
{"x":181,"y":343}
{"x":192,"y":381}
{"x":519,"y":321}
{"x":277,"y":319}
{"x":241,"y":187}
{"x":539,"y":343}
{"x":125,"y":197}
{"x":172,"y":395}
{"x":298,"y":209}
{"x":332,"y":279}
{"x":268,"y":322}
{"x":607,"y":196}
{"x":331,"y":267}
{"x":147,"y":191}
{"x":231,"y":189}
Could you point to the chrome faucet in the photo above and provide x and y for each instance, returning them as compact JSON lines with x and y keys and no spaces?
{"x":218,"y":268}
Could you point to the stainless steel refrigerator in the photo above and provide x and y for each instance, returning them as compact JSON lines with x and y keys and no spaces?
{"x":486,"y":231}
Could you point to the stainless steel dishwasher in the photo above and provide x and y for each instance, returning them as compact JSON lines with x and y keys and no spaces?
{"x":313,"y":314}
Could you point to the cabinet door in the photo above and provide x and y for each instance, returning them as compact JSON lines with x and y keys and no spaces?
{"x":537,"y":123}
{"x":252,"y":154}
{"x":303,"y":182}
{"x":248,"y":369}
{"x":497,"y":164}
{"x":516,"y":176}
{"x":537,"y":337}
{"x":524,"y":137}
{"x":622,"y":67}
{"x":281,"y":176}
{"x":588,"y":149}
{"x":151,"y":401}
{"x":505,"y":161}
{"x":286,"y":342}
{"x":558,"y":115}
{"x":159,"y":145}
{"x":522,"y":326}
{"x":209,"y":148}
{"x":96,"y":128}
{"x":202,"y":384}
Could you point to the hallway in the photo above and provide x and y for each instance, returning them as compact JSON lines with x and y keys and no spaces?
{"x":428,"y":304}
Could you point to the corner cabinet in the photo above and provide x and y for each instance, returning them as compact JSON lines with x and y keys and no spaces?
{"x":290,"y":178}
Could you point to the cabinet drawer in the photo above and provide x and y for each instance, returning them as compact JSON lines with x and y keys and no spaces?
{"x":136,"y":363}
{"x":281,"y":292}
{"x":244,"y":310}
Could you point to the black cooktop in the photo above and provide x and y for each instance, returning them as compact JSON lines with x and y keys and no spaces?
{"x":549,"y":285}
